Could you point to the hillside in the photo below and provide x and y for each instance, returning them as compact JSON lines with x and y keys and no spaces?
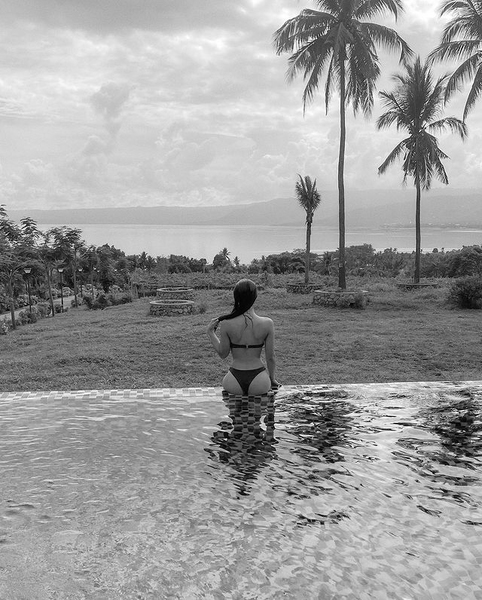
{"x":374,"y":209}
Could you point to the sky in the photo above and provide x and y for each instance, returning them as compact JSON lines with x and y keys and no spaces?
{"x":114,"y":103}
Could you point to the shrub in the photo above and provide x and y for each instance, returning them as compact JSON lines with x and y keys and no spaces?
{"x":466,"y":262}
{"x":124,"y":298}
{"x":103,"y":301}
{"x":359,"y":301}
{"x":23,"y":317}
{"x":44,"y":309}
{"x":466,"y":292}
{"x":87,"y":300}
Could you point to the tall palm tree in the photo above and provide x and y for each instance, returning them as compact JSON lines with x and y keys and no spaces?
{"x":309,"y":198}
{"x":416,"y":106}
{"x":462,"y":39}
{"x":337,"y":40}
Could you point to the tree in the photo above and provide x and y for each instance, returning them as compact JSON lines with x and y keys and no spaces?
{"x":416,"y":106}
{"x":69,"y":246}
{"x":15,"y":253}
{"x":336,"y":40}
{"x":309,"y":199}
{"x":462,"y":40}
{"x":221,"y":260}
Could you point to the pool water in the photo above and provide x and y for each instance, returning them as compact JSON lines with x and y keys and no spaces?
{"x":322,"y":492}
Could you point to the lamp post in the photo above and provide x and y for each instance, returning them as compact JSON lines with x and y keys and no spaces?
{"x":92,"y":281}
{"x":27,"y":272}
{"x":61,"y":270}
{"x":80,"y":281}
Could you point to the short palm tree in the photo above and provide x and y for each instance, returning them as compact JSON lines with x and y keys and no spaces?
{"x":309,"y":198}
{"x":462,"y":40}
{"x":416,"y":106}
{"x":337,"y":40}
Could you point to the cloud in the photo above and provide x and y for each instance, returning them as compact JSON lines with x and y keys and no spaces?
{"x":120,"y":15}
{"x":108,"y":102}
{"x":126,"y":102}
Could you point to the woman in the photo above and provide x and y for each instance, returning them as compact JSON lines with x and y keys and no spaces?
{"x":244,"y":333}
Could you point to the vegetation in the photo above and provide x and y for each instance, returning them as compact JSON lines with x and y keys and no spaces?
{"x":309,"y":198}
{"x":416,"y":106}
{"x":338,"y":41}
{"x":462,"y":40}
{"x":124,"y":347}
{"x":124,"y":280}
{"x":467,"y":292}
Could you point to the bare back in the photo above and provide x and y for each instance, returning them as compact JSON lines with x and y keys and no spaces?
{"x":248,"y":330}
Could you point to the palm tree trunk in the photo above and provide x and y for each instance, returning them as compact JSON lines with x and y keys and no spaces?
{"x":341,"y":183}
{"x":307,"y":255}
{"x":418,"y":234}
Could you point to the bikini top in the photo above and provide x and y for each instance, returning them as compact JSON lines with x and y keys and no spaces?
{"x":246,"y":345}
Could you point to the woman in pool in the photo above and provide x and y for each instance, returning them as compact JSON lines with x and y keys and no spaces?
{"x":244,"y":333}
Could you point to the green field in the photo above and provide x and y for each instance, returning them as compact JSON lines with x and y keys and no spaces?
{"x":400,"y":336}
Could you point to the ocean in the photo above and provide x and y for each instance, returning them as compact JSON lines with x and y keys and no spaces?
{"x":252,"y":242}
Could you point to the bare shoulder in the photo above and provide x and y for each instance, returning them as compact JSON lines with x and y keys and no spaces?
{"x":266,"y":322}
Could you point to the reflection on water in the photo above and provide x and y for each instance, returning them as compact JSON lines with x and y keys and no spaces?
{"x":246,"y":444}
{"x":357,"y":493}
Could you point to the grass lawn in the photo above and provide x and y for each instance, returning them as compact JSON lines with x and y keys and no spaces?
{"x":400,"y":336}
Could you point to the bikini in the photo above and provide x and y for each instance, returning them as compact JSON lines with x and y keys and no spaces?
{"x":245,"y":376}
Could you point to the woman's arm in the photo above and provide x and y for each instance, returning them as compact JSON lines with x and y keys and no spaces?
{"x":221,"y":345}
{"x":270,"y":357}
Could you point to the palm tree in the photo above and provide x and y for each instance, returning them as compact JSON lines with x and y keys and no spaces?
{"x":335,"y":39}
{"x":309,"y":198}
{"x":416,"y":106}
{"x":462,"y":39}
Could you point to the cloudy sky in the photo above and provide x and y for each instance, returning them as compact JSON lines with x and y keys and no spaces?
{"x":147,"y":102}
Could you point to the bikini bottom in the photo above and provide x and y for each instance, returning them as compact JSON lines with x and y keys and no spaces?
{"x":245,"y":377}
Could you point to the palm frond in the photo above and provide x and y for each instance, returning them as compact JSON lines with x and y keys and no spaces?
{"x":455,"y":125}
{"x":433,"y":98}
{"x":388,"y":38}
{"x":313,"y":73}
{"x":329,"y":81}
{"x":393,"y":115}
{"x":332,"y":6}
{"x":392,"y":157}
{"x":463,"y":74}
{"x":454,"y":50}
{"x":306,"y":26}
{"x":474,"y":93}
{"x":370,"y":8}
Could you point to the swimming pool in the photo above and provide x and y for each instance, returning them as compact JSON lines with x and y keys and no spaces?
{"x":330,"y":492}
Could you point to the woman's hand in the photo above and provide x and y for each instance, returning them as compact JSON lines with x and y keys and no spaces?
{"x":213,"y":325}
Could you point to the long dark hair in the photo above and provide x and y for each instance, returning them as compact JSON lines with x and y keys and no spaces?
{"x":245,"y":293}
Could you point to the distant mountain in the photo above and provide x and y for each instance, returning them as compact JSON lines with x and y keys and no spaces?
{"x":372,"y":209}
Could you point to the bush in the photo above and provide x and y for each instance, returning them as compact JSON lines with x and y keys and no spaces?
{"x":103,"y":301}
{"x":44,"y":309}
{"x":466,"y":262}
{"x":23,"y":317}
{"x":466,"y":292}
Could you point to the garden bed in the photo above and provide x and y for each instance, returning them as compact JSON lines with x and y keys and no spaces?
{"x":341,"y":298}
{"x":160,"y":308}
